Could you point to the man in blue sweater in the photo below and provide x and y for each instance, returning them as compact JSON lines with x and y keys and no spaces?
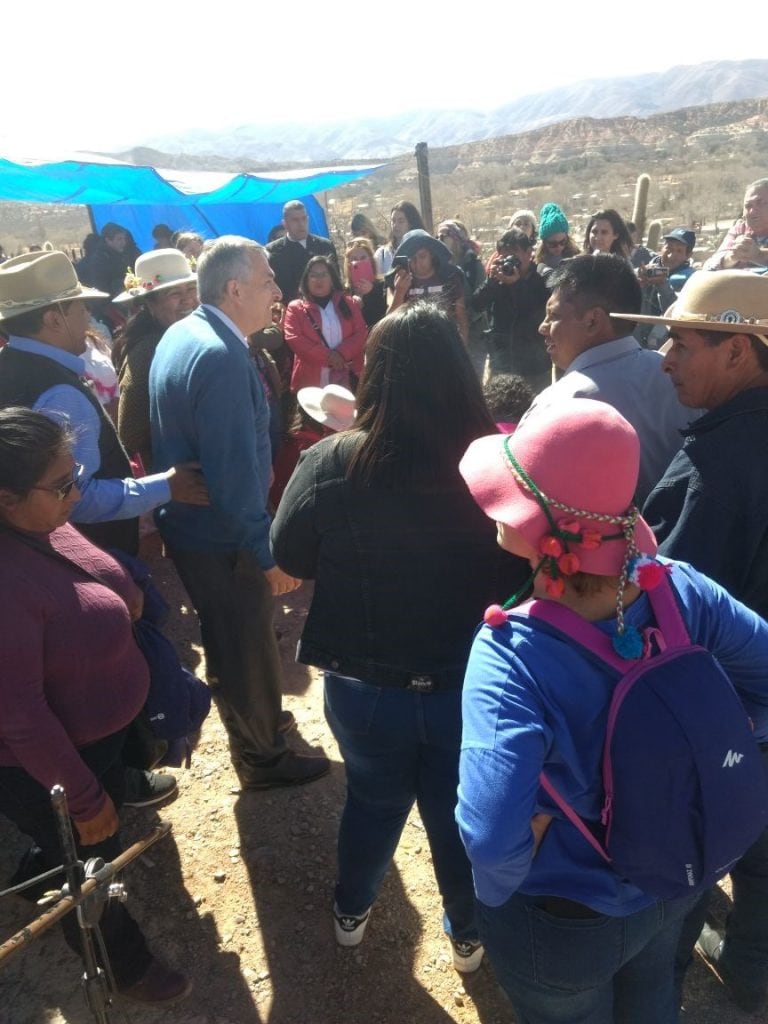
{"x":207,"y":400}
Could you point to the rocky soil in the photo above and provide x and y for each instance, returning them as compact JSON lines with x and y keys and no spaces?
{"x":239,"y":897}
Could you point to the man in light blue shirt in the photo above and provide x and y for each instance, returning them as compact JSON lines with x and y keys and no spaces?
{"x":43,"y":309}
{"x":582,"y":341}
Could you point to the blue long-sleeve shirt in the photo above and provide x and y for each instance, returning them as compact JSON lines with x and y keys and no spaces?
{"x":101,"y":501}
{"x":207,"y":405}
{"x":533,"y":702}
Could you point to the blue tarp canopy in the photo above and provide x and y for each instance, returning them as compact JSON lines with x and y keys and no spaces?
{"x":211,"y":203}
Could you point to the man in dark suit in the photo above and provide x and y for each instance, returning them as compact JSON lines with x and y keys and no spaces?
{"x":289,"y":255}
{"x":207,"y":399}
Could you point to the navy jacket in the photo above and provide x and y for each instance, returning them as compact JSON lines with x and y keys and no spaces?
{"x":401,"y":578}
{"x":711,"y":506}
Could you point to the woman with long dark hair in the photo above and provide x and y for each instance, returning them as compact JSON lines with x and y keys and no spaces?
{"x":403,"y":562}
{"x":607,"y":232}
{"x":324,"y":329}
{"x":403,"y":218}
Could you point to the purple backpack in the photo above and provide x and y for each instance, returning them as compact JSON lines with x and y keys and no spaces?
{"x":686,"y":789}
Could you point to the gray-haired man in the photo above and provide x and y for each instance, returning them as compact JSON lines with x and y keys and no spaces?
{"x":206,"y":398}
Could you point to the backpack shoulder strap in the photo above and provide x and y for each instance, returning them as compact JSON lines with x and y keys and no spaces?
{"x":572,"y":816}
{"x":666,"y":611}
{"x":574,"y":627}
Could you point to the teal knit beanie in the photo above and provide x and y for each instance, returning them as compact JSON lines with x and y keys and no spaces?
{"x":552,"y":221}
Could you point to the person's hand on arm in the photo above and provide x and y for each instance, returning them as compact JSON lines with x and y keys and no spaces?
{"x":187,"y":484}
{"x":280,"y":582}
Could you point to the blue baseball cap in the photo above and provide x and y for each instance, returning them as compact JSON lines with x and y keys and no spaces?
{"x":688,"y":238}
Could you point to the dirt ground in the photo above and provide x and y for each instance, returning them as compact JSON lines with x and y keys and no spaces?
{"x":239,"y":897}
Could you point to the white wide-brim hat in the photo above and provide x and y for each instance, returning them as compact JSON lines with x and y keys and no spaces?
{"x":37,"y":279}
{"x":333,"y":405}
{"x":155,"y":272}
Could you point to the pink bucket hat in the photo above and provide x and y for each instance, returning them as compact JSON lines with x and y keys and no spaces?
{"x":565,"y":480}
{"x":583,"y":456}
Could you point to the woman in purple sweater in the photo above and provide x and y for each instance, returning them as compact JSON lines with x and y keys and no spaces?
{"x":73,"y":678}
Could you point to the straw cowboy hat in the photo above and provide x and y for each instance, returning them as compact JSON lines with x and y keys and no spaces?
{"x":155,"y":271}
{"x":37,"y":279}
{"x":333,"y":405}
{"x":733,"y":301}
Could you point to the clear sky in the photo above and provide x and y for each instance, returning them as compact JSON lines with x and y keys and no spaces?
{"x":102,"y":75}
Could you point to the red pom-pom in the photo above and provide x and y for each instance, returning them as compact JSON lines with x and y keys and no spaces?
{"x":549,"y":545}
{"x":591,"y":540}
{"x":494,"y":616}
{"x":648,"y":575}
{"x":555,"y":588}
{"x":568,"y":564}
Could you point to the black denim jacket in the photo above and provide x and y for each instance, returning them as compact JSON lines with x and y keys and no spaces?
{"x":401,"y":579}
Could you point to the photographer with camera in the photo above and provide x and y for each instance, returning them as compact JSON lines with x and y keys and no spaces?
{"x":662,"y":279}
{"x":515,"y":296}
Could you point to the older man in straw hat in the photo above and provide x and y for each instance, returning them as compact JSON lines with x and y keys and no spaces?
{"x":43,"y":309}
{"x":711,"y":509}
{"x":163,"y":289}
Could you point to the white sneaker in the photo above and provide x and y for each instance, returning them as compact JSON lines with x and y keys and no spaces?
{"x":349,"y":928}
{"x":467,"y":954}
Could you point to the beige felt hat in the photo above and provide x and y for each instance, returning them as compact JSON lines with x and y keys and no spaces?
{"x":155,"y":271}
{"x":37,"y":279}
{"x":733,"y":301}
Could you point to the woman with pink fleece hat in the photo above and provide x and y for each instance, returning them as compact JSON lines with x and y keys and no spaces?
{"x":569,"y":937}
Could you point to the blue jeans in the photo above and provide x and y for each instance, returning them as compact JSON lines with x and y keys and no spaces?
{"x":399,"y":746}
{"x":591,"y":970}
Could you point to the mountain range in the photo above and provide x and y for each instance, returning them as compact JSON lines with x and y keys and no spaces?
{"x":387,"y":137}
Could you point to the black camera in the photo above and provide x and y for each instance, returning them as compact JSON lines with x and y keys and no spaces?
{"x":656,"y":272}
{"x":509,"y":265}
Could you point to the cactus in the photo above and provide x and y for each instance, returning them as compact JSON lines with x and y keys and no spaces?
{"x":641,"y":204}
{"x":654,"y":235}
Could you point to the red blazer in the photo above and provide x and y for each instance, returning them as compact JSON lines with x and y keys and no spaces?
{"x":301,"y":329}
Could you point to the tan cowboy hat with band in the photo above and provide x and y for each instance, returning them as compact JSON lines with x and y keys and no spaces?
{"x":155,"y":271}
{"x":37,"y":279}
{"x":733,"y":301}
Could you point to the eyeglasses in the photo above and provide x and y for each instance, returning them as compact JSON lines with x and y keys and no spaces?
{"x":552,"y":244}
{"x":318,"y":274}
{"x":66,"y":489}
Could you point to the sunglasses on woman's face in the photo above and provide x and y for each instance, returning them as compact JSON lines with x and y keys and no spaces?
{"x":66,"y":489}
{"x":552,"y":244}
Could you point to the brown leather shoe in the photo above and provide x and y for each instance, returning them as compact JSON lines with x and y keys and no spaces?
{"x":158,"y":986}
{"x":291,"y":769}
